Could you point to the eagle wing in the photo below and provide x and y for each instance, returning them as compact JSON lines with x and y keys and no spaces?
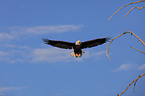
{"x":60,"y":44}
{"x":92,"y":43}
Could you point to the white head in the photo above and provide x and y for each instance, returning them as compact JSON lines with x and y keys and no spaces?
{"x":78,"y":42}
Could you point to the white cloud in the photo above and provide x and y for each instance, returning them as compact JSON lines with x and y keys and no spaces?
{"x":45,"y":29}
{"x":8,"y":45}
{"x":26,"y":54}
{"x":141,"y":67}
{"x":3,"y":90}
{"x":52,"y":29}
{"x":51,"y":55}
{"x":3,"y":53}
{"x":122,"y":67}
{"x":4,"y":36}
{"x":20,"y":31}
{"x":15,"y":53}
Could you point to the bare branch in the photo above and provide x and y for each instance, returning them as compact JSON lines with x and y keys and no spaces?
{"x":107,"y":51}
{"x":134,"y":8}
{"x":138,"y":50}
{"x":109,"y":43}
{"x":125,"y":6}
{"x":132,"y":83}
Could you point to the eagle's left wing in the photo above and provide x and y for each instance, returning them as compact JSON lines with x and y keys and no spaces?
{"x":60,"y":44}
{"x":92,"y":43}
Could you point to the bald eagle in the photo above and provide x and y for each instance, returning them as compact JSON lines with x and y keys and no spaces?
{"x":77,"y":46}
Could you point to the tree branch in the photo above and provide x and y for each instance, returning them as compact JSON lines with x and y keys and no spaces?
{"x":125,"y":6}
{"x":138,"y":50}
{"x":132,"y":83}
{"x":109,"y":43}
{"x":134,"y":8}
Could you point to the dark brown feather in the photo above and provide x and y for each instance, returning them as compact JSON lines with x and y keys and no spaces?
{"x":93,"y":43}
{"x":60,"y":44}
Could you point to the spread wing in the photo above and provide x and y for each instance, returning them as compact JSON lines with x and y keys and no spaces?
{"x":60,"y":44}
{"x":92,"y":43}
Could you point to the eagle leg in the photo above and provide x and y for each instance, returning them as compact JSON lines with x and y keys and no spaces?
{"x":79,"y":55}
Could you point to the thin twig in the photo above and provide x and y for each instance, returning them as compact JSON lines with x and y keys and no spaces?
{"x":131,"y":84}
{"x":107,"y":52}
{"x":134,"y":8}
{"x":134,"y":86}
{"x":108,"y":48}
{"x":137,"y":50}
{"x":125,"y":6}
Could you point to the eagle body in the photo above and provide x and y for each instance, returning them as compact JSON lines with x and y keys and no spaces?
{"x":77,"y":51}
{"x":77,"y":46}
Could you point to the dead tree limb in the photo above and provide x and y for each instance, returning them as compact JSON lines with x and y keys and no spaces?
{"x":134,"y":81}
{"x":125,"y":6}
{"x":109,"y":43}
{"x":134,"y":8}
{"x":137,"y":50}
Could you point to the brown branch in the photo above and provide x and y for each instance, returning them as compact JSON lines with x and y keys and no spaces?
{"x":109,"y":43}
{"x":134,"y":8}
{"x":125,"y":6}
{"x":138,"y":50}
{"x":107,"y":51}
{"x":131,"y":84}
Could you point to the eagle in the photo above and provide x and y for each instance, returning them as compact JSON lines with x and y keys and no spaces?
{"x":76,"y":46}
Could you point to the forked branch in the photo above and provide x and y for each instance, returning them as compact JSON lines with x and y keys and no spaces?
{"x":134,"y":8}
{"x":125,"y":6}
{"x":134,"y":81}
{"x":109,"y":43}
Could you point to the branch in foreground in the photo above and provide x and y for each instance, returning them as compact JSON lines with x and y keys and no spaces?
{"x":109,"y":43}
{"x":125,"y":6}
{"x":132,"y":83}
{"x":134,"y":8}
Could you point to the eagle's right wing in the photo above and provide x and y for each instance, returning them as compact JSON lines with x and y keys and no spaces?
{"x":60,"y":44}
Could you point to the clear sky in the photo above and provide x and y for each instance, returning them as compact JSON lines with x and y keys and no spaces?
{"x":30,"y":68}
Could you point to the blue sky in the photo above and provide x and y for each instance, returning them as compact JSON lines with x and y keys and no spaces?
{"x":30,"y":68}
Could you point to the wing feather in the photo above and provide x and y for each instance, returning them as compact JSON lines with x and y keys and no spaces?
{"x":93,"y":43}
{"x":60,"y":44}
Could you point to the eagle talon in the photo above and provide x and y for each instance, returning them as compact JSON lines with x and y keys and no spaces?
{"x":79,"y":55}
